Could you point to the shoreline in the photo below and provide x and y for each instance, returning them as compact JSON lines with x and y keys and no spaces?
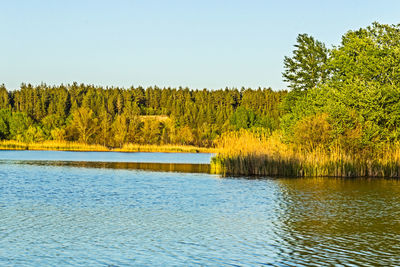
{"x":80,"y":147}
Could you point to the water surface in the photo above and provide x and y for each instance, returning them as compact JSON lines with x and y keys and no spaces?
{"x":153,"y":157}
{"x":56,"y":215}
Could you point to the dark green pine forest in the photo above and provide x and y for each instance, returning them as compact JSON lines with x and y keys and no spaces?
{"x":115,"y":116}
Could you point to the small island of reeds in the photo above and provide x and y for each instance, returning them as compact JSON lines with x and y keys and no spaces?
{"x":251,"y":154}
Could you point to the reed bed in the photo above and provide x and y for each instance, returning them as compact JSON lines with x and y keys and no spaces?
{"x":76,"y":146}
{"x":50,"y":145}
{"x":246,"y":153}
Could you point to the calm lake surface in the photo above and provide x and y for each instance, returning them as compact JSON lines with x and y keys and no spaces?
{"x":31,"y":155}
{"x":56,"y":215}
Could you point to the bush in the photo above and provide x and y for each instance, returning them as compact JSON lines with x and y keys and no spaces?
{"x":313,"y":131}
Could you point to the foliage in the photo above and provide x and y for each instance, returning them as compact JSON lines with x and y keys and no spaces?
{"x":5,"y":116}
{"x":18,"y":124}
{"x":243,"y":118}
{"x":114,"y":116}
{"x":84,"y":122}
{"x":369,"y":55}
{"x":307,"y":67}
{"x":361,"y":96}
{"x":313,"y":131}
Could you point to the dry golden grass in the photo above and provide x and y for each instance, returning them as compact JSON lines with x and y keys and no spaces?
{"x":50,"y":145}
{"x":245,"y":153}
{"x":75,"y":146}
{"x":164,"y":148}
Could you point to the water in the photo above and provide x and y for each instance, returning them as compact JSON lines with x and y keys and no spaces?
{"x":178,"y":162}
{"x":56,"y":215}
{"x":143,"y":157}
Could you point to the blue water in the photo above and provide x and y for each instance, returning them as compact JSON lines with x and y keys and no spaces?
{"x":74,"y":216}
{"x":199,"y":158}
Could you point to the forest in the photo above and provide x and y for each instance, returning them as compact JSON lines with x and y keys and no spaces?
{"x":113,"y":117}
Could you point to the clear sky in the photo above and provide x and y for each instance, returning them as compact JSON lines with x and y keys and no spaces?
{"x":200,"y":44}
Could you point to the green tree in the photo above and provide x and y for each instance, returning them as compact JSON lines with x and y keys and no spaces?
{"x":243,"y":118}
{"x":134,"y":129}
{"x":370,"y":54}
{"x":151,"y":132}
{"x":5,"y":116}
{"x":19,"y":123}
{"x":4,"y":97}
{"x":307,"y":67}
{"x":58,"y":134}
{"x":85,"y":123}
{"x":120,"y":129}
{"x":361,"y":95}
{"x":51,"y":122}
{"x":185,"y":136}
{"x":33,"y":134}
{"x":313,"y":131}
{"x":103,"y":133}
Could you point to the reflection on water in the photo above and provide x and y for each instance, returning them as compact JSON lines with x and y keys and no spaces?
{"x":53,"y":214}
{"x":348,"y":221}
{"x":165,"y":167}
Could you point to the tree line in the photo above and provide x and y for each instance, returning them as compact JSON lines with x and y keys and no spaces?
{"x":113,"y":116}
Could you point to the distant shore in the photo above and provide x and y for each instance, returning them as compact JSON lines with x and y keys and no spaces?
{"x":75,"y":146}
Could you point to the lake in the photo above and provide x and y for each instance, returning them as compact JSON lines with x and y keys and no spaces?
{"x":78,"y":208}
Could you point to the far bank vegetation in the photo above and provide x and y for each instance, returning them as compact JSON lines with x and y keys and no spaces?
{"x":130,"y":119}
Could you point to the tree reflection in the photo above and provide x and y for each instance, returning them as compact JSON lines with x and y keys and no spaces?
{"x":345,"y":220}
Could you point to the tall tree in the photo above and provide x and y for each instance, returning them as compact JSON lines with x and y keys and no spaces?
{"x":120,"y":129}
{"x":4,"y":97}
{"x":306,"y":68}
{"x":85,"y":123}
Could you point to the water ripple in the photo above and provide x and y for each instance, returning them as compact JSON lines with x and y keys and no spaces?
{"x":59,"y":215}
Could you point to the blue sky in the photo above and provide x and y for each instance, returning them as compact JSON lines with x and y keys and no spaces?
{"x":200,"y":44}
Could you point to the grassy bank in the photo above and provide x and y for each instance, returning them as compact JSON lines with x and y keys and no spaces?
{"x":50,"y":145}
{"x":75,"y":146}
{"x":245,"y":153}
{"x":164,"y":148}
